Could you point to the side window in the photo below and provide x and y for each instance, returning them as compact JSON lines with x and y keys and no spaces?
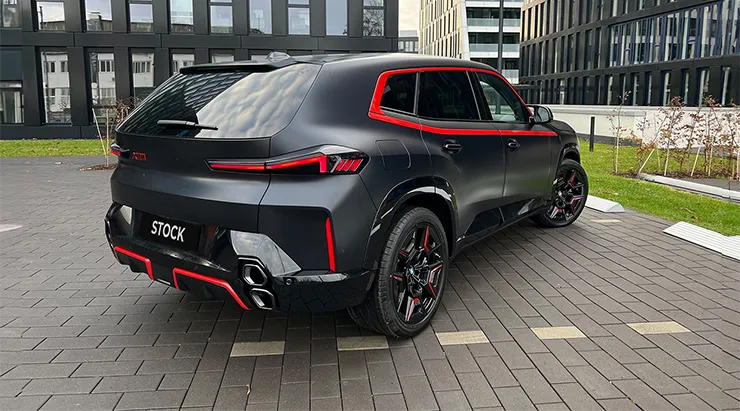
{"x":501,"y":99}
{"x":447,"y":95}
{"x":399,"y":93}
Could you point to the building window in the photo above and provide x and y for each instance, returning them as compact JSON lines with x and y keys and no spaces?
{"x":299,"y":17}
{"x":703,"y":86}
{"x":649,"y":93}
{"x":99,"y":16}
{"x":56,"y":110}
{"x":141,"y":16}
{"x":102,"y":79}
{"x":222,"y":20}
{"x":142,"y":71}
{"x":11,"y":15}
{"x":221,"y":56}
{"x":666,"y":88}
{"x":11,"y":102}
{"x":373,"y":18}
{"x":610,"y":90}
{"x":727,"y":97}
{"x":336,"y":18}
{"x":180,"y":60}
{"x":635,"y":89}
{"x":260,"y":16}
{"x":50,"y":15}
{"x":686,"y":80}
{"x":181,"y":16}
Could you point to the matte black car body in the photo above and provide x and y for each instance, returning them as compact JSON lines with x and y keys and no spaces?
{"x":317,"y":235}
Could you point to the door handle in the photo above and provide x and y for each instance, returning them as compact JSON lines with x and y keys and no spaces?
{"x":452,"y":146}
{"x":513,"y":144}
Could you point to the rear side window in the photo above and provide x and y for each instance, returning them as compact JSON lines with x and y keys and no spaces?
{"x":447,"y":95}
{"x":399,"y":93}
{"x":240,"y":104}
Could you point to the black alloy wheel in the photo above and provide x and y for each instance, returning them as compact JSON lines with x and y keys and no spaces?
{"x":410,"y":282}
{"x":570,"y":192}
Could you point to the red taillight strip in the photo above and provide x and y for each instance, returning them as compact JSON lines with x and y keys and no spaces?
{"x":355,"y":164}
{"x":115,"y":152}
{"x":330,"y":245}
{"x":237,"y":167}
{"x":320,"y":159}
{"x":135,"y":256}
{"x":215,"y":281}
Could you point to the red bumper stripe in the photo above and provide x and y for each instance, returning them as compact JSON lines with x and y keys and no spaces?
{"x":135,"y":256}
{"x":215,"y":281}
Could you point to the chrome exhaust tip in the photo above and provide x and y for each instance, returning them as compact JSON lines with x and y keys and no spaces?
{"x":254,"y":275}
{"x":263,"y":299}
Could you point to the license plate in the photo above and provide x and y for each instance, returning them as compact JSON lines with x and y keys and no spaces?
{"x":171,"y":232}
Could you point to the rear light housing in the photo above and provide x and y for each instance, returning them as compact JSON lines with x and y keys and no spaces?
{"x":326,"y":160}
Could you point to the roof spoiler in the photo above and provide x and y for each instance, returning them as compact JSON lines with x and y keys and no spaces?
{"x":274,"y":60}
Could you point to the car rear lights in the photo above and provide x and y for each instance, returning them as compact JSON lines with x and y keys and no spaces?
{"x":327,"y":161}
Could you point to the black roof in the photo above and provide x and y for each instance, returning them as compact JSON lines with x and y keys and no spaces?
{"x":385,"y":61}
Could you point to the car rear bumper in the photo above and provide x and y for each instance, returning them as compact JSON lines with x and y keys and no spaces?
{"x":249,"y":268}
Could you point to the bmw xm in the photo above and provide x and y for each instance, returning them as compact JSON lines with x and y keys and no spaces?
{"x":324,"y":183}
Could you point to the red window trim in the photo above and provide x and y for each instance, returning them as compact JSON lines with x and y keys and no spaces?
{"x":377,"y":113}
{"x":215,"y":281}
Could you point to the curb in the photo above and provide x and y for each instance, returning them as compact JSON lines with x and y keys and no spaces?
{"x":727,"y":246}
{"x":696,"y":187}
{"x":603,"y":205}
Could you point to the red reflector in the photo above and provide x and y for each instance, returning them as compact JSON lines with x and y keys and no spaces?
{"x":330,"y":245}
{"x":115,"y":152}
{"x":321,"y":160}
{"x":238,"y":167}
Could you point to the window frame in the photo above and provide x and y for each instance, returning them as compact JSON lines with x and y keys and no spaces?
{"x":483,"y":105}
{"x":415,"y":109}
{"x":37,"y":16}
{"x":346,"y":20}
{"x":220,"y":3}
{"x":299,"y":6}
{"x":129,"y":23}
{"x":4,"y":7}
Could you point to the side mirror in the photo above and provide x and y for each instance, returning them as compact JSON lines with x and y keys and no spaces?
{"x":542,"y":114}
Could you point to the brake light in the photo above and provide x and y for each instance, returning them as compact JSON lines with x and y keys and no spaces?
{"x":349,"y":162}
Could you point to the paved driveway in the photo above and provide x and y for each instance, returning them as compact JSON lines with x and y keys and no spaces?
{"x":533,"y":319}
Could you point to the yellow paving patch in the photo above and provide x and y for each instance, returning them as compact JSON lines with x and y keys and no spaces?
{"x":369,"y":342}
{"x":462,"y":337}
{"x":665,"y":327}
{"x":553,"y":333}
{"x":256,"y":349}
{"x":607,"y":220}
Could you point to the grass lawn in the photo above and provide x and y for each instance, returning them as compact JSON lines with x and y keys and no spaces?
{"x":659,"y":200}
{"x":655,"y":199}
{"x":41,"y":148}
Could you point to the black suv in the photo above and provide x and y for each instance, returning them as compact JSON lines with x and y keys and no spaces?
{"x":323,"y":183}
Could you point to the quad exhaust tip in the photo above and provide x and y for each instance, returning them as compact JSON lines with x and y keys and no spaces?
{"x":262,"y":298}
{"x":254,"y":275}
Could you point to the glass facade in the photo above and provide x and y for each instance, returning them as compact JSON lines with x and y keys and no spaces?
{"x":11,"y":102}
{"x":50,"y":15}
{"x":142,"y":73}
{"x":260,"y":16}
{"x":673,"y":49}
{"x":336,"y":17}
{"x":299,"y":17}
{"x":102,"y":79}
{"x":141,"y":16}
{"x":98,"y":15}
{"x":221,"y":19}
{"x":11,"y":13}
{"x":55,"y":86}
{"x":181,"y":16}
{"x":373,"y":18}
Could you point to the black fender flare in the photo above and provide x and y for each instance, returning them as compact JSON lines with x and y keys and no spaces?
{"x":568,"y":148}
{"x":394,"y":201}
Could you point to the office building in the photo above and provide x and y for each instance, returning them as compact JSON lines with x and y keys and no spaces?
{"x":63,"y":60}
{"x":408,"y":41}
{"x":480,"y":30}
{"x":596,"y":51}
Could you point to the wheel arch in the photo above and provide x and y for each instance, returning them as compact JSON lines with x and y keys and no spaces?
{"x":570,"y":151}
{"x":430,"y":193}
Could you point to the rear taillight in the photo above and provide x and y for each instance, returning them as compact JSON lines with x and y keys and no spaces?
{"x":332,"y":161}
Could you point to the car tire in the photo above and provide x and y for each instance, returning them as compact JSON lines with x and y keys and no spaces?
{"x":405,"y":295}
{"x":570,"y":192}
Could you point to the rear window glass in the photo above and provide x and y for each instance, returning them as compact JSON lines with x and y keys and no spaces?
{"x":240,"y":104}
{"x":399,"y":93}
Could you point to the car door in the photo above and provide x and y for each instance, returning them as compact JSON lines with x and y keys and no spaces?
{"x":465,"y":151}
{"x":529,"y":148}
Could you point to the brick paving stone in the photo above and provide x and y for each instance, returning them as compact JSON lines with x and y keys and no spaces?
{"x":100,"y":369}
{"x":461,"y":359}
{"x":325,"y":381}
{"x":11,"y":388}
{"x":688,"y":402}
{"x":89,"y":355}
{"x":514,"y":398}
{"x":618,"y":404}
{"x":607,"y":366}
{"x":150,"y":399}
{"x":477,"y":390}
{"x":418,"y":393}
{"x":406,"y":361}
{"x":643,"y":396}
{"x":656,"y":379}
{"x":565,"y":353}
{"x":203,"y":389}
{"x":383,"y":379}
{"x":128,"y":384}
{"x":576,"y":397}
{"x":708,"y":392}
{"x":594,"y":383}
{"x":30,"y":371}
{"x":440,"y":375}
{"x":452,"y":401}
{"x":714,"y":374}
{"x":231,"y":398}
{"x":536,"y":387}
{"x":23,"y":403}
{"x":496,"y":372}
{"x":356,"y":395}
{"x":52,"y":386}
{"x":83,"y":402}
{"x":513,"y":355}
{"x":665,"y":362}
{"x":391,"y":402}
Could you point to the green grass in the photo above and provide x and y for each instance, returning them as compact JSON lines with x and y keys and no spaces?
{"x":42,"y":148}
{"x":642,"y":196}
{"x":655,"y":199}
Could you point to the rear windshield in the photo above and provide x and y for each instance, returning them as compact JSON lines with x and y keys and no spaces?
{"x":240,"y":104}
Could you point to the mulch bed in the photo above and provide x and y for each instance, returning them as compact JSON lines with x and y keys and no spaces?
{"x":99,"y":167}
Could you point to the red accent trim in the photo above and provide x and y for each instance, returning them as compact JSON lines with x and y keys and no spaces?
{"x":320,"y":159}
{"x":115,"y":152}
{"x":426,"y":239}
{"x":355,"y":164}
{"x":135,"y":256}
{"x":432,"y":290}
{"x":398,"y":278}
{"x":339,"y":165}
{"x":139,"y":156}
{"x":215,"y":281}
{"x":330,"y":245}
{"x":376,"y":112}
{"x":237,"y":167}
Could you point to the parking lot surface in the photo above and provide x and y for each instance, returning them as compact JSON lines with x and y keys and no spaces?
{"x":609,"y":313}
